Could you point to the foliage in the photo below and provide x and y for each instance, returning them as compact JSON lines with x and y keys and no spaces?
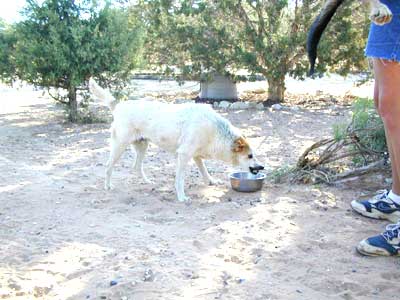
{"x":339,"y":131}
{"x":61,"y":43}
{"x":7,"y":42}
{"x":261,"y":36}
{"x":367,"y":121}
{"x":189,"y":35}
{"x":368,"y":131}
{"x":278,"y":174}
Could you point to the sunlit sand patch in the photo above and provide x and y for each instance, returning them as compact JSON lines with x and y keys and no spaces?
{"x":268,"y":229}
{"x":63,"y":273}
{"x":212,"y":194}
{"x":12,"y":187}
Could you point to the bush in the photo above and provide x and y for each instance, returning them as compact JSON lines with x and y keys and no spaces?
{"x":369,"y":126}
{"x":366,"y":132}
{"x":354,"y":150}
{"x":59,"y":44}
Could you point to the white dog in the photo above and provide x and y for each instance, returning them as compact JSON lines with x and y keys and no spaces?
{"x":189,"y":130}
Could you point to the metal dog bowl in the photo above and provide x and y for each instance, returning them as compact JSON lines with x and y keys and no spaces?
{"x":246,"y":181}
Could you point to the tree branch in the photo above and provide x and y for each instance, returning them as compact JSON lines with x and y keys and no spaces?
{"x":57,"y":98}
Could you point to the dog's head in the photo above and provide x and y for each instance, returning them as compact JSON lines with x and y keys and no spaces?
{"x":244,"y":156}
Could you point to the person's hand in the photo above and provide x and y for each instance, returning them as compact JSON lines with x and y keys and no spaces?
{"x":380,"y":13}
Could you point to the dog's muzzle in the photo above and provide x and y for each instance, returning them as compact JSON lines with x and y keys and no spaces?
{"x":257,"y":168}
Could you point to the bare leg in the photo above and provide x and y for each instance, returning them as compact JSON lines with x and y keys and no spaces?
{"x":203,"y":170}
{"x":387,"y":75}
{"x":377,"y":106}
{"x":387,"y":91}
{"x":376,"y":95}
{"x":141,"y":148}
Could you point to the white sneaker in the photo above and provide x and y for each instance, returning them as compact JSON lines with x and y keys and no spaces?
{"x":379,"y":207}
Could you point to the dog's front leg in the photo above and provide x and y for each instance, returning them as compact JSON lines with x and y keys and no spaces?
{"x":183,"y":160}
{"x":204,"y":172}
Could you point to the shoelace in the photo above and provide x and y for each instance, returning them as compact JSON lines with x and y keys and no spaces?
{"x":382,"y":194}
{"x":392,"y":232}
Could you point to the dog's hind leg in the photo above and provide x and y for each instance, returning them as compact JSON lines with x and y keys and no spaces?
{"x":141,"y":148}
{"x":203,"y":170}
{"x":117,"y":147}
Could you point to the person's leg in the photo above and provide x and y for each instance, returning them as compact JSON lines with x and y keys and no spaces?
{"x":387,"y":75}
{"x":387,"y":103}
{"x":376,"y":94}
{"x":395,"y":174}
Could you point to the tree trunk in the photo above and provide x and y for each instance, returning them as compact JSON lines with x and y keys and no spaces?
{"x":276,"y":89}
{"x":73,"y":105}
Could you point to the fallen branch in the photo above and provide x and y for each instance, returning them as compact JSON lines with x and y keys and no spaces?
{"x":377,"y":166}
{"x":322,"y":161}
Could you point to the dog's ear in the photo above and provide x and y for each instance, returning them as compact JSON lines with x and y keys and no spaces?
{"x":240,"y":144}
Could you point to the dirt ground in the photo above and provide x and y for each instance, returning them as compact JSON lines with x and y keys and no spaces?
{"x":63,"y":237}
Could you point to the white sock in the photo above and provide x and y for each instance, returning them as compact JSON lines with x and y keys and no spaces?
{"x":395,"y":198}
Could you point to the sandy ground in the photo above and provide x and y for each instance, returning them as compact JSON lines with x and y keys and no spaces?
{"x":63,"y":237}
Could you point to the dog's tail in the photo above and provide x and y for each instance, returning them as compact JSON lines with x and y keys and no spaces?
{"x":102,"y":94}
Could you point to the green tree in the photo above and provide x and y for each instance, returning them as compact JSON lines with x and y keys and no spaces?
{"x":187,"y":39}
{"x":7,"y":51}
{"x":264,"y":37}
{"x":61,"y":43}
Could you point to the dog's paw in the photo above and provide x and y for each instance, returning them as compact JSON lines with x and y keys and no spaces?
{"x":148,"y":181}
{"x":381,"y":14}
{"x":108,"y":187}
{"x":184,"y":199}
{"x":213,"y":181}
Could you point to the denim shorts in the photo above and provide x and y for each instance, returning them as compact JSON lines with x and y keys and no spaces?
{"x":384,"y":41}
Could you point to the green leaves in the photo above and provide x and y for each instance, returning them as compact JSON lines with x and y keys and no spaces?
{"x":60,"y":43}
{"x":63,"y":42}
{"x":7,"y":52}
{"x":262,"y":36}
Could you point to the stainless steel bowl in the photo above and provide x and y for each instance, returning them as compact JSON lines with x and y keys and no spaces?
{"x":246,"y":181}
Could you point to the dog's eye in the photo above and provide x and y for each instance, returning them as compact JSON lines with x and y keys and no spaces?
{"x":250,"y":156}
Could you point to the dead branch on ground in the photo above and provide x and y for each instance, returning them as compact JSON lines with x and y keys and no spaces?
{"x":332,"y":160}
